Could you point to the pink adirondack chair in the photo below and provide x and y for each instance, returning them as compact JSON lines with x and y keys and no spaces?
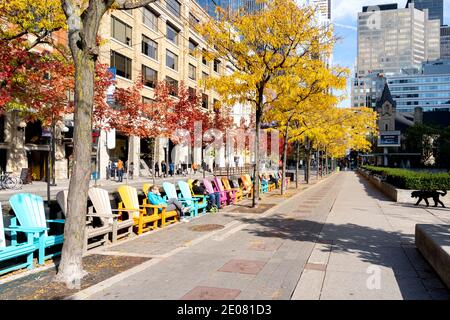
{"x":231,"y":194}
{"x":210,"y":189}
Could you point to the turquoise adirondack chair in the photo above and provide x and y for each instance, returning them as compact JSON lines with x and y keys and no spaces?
{"x":209,"y":187}
{"x":16,"y":249}
{"x":195,"y":202}
{"x":29,"y":210}
{"x":171,"y":193}
{"x":264,"y":185}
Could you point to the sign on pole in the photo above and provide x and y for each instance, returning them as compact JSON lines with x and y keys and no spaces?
{"x":389,"y":139}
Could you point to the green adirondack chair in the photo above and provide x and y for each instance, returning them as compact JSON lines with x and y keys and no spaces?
{"x":29,"y":211}
{"x":195,"y":202}
{"x":15,"y":249}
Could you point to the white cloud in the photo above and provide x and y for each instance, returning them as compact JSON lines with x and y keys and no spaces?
{"x":346,"y":11}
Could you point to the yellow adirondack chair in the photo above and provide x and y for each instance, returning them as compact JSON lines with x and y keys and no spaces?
{"x":272,"y":185}
{"x":238,"y":194}
{"x":146,"y":188}
{"x":130,"y":203}
{"x":247,"y":184}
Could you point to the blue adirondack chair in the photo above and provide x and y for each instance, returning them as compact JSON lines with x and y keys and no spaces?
{"x":29,"y":210}
{"x":171,"y":193}
{"x":196,"y":202}
{"x":16,"y":249}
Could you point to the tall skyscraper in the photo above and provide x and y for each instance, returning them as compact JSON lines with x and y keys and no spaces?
{"x":445,"y":42}
{"x":435,"y":8}
{"x":391,"y":41}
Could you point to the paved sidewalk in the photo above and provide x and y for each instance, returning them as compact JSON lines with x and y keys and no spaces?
{"x":368,"y":251}
{"x":252,"y":256}
{"x":337,"y":239}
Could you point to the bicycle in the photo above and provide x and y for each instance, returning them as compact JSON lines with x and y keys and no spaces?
{"x":8,"y":181}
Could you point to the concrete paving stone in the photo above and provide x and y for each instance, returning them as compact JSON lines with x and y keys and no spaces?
{"x":227,"y":280}
{"x":350,"y":285}
{"x":320,"y":253}
{"x":309,"y":286}
{"x":360,"y":258}
{"x":211,"y":293}
{"x":416,"y":259}
{"x":243,"y":266}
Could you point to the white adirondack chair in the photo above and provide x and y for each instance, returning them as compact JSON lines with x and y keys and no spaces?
{"x":98,"y":234}
{"x":102,"y":205}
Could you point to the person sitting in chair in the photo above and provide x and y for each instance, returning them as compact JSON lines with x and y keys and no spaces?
{"x":213,"y":199}
{"x":154,"y":197}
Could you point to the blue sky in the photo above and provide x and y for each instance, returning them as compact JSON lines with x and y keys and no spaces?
{"x":344,"y":16}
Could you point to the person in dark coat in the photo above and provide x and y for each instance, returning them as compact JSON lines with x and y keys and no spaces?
{"x":164,"y":168}
{"x":213,"y":198}
{"x":157,"y":169}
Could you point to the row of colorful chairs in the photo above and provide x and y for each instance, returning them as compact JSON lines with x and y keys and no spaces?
{"x":104,"y":223}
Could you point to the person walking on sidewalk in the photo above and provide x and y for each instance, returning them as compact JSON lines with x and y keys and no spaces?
{"x":163,"y":169}
{"x":156,"y":169}
{"x":171,"y":169}
{"x":120,"y":170}
{"x":154,"y":197}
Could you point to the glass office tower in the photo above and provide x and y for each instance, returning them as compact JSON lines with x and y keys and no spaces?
{"x":435,"y":8}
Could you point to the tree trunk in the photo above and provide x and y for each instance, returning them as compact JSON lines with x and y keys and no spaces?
{"x":153,"y":161}
{"x":71,"y":267}
{"x":258,"y":115}
{"x":296,"y":165}
{"x":285,"y":146}
{"x":82,"y":31}
{"x":308,"y":165}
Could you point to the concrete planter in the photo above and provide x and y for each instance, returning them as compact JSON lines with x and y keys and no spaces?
{"x":396,"y":194}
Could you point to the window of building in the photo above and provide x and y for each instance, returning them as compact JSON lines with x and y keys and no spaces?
{"x":204,"y":61}
{"x":192,"y":92}
{"x":150,"y":18}
{"x":172,"y":34}
{"x":204,"y":75}
{"x":193,"y":21}
{"x":122,"y":64}
{"x":174,"y":7}
{"x":192,"y":72}
{"x":216,"y":65}
{"x":205,"y":101}
{"x":173,"y":86}
{"x":121,"y":31}
{"x":149,"y":47}
{"x":192,"y":46}
{"x":171,"y":60}
{"x":147,"y":100}
{"x":150,"y":76}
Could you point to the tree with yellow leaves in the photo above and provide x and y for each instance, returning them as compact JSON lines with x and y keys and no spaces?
{"x":337,"y":130}
{"x":304,"y":95}
{"x":262,"y":47}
